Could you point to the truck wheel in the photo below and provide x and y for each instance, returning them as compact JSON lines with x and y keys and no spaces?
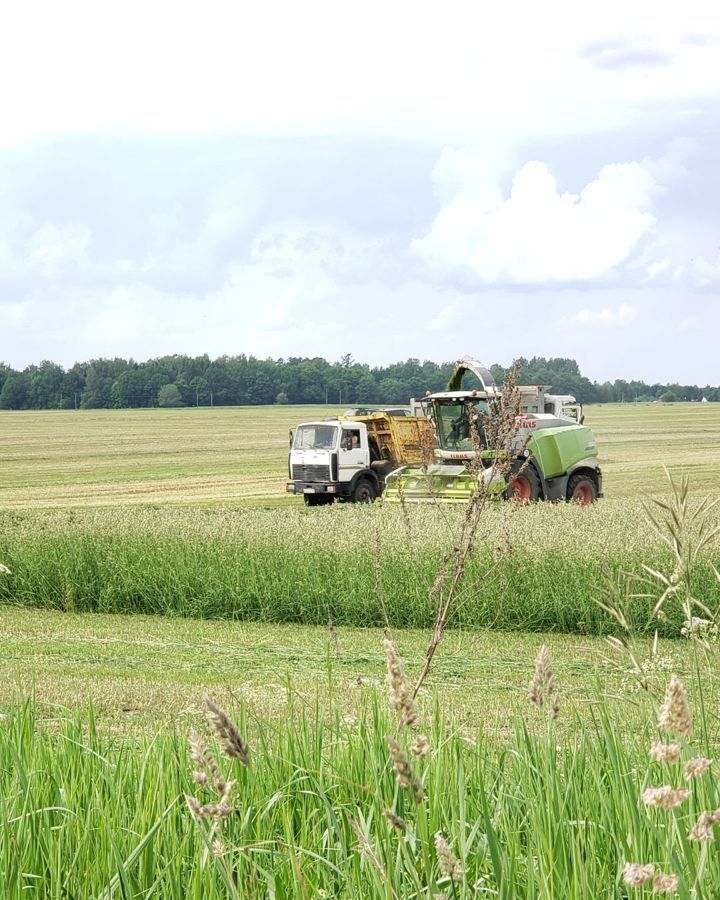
{"x":364,"y":491}
{"x":524,"y":487}
{"x":582,"y":489}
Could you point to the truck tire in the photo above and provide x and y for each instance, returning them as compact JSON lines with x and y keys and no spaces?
{"x":364,"y":491}
{"x":524,"y":486}
{"x":582,"y":489}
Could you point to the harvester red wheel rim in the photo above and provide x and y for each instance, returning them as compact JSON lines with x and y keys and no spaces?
{"x":583,"y":494}
{"x":521,"y":489}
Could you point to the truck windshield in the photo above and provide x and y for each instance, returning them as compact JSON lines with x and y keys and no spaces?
{"x":453,"y":424}
{"x":315,"y":437}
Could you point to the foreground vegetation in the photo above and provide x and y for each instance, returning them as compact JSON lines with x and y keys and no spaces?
{"x":335,"y":804}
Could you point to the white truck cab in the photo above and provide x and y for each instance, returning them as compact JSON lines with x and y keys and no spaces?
{"x":331,"y":459}
{"x":534,"y":398}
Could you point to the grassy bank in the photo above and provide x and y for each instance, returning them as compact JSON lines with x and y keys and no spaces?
{"x":354,"y":565}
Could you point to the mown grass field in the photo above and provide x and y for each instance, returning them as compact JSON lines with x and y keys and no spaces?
{"x":64,"y":458}
{"x":146,"y":574}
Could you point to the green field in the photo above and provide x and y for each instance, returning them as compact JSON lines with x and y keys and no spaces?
{"x":146,"y":574}
{"x":63,"y":458}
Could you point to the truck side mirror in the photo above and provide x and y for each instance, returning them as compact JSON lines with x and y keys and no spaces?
{"x":291,"y":438}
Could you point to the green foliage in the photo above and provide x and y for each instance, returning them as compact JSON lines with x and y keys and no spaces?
{"x":15,"y":390}
{"x":245,"y":380}
{"x":169,"y":395}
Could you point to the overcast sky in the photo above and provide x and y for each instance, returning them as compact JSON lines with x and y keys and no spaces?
{"x":390,"y":180}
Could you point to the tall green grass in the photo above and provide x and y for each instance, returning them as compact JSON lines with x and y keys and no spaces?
{"x":85,"y":815}
{"x":307,"y":565}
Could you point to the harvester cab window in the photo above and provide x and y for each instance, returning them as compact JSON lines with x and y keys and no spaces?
{"x":315,"y":437}
{"x":455,"y":421}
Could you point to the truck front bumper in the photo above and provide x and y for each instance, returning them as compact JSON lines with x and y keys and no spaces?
{"x":311,"y":487}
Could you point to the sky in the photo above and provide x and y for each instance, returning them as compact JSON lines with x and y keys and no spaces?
{"x":390,"y":180}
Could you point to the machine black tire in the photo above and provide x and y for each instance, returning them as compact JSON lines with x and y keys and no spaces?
{"x":317,"y":499}
{"x":364,"y":491}
{"x":524,"y":486}
{"x":582,"y":489}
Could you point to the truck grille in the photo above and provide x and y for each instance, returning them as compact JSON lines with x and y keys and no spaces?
{"x":311,"y":473}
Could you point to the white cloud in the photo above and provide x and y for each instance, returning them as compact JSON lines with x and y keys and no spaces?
{"x":704,"y":274}
{"x":53,"y":247}
{"x":451,"y":315}
{"x":266,"y":66}
{"x":13,"y":314}
{"x":607,"y":316}
{"x":538,"y":235}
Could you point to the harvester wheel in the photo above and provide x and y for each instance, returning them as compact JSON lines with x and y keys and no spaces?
{"x":582,"y":489}
{"x":364,"y":491}
{"x":525,"y":486}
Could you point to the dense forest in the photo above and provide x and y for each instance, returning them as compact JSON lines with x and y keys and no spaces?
{"x":245,"y":380}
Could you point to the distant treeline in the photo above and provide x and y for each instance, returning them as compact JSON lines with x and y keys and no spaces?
{"x":245,"y":380}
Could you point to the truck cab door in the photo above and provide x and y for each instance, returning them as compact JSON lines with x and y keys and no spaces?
{"x":354,"y":453}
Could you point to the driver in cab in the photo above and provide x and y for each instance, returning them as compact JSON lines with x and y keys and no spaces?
{"x":351,"y":440}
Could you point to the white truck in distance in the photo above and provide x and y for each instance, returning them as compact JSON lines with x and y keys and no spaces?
{"x":349,"y":457}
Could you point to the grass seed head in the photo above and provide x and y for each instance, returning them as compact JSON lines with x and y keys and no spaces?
{"x":194,"y":806}
{"x":702,"y":829}
{"x":542,"y":684}
{"x":450,"y":866}
{"x":216,"y":811}
{"x":665,"y":797}
{"x":665,"y":884}
{"x":669,"y":753}
{"x":205,"y":760}
{"x":231,"y":742}
{"x":675,"y":717}
{"x":636,"y":875}
{"x":395,"y":820}
{"x":404,"y":774}
{"x":400,"y":695}
{"x":694,"y":767}
{"x":420,"y":746}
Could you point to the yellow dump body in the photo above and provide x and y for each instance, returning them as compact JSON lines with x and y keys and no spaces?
{"x":402,"y":440}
